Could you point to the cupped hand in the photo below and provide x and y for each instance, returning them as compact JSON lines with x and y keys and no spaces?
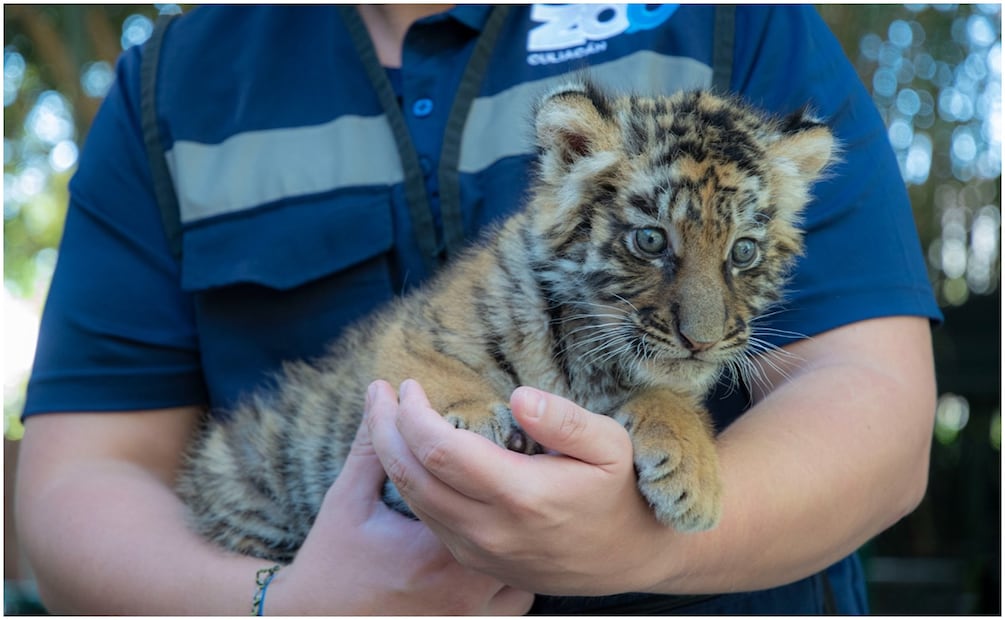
{"x":568,"y":522}
{"x":362,"y":558}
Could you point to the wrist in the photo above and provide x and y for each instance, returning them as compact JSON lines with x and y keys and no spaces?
{"x":281,"y":597}
{"x":263,"y":579}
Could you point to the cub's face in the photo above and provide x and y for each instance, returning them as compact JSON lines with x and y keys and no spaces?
{"x":671,"y":222}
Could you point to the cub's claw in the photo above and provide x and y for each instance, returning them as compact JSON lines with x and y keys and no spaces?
{"x":499,"y":426}
{"x":513,"y":436}
{"x":683,"y":489}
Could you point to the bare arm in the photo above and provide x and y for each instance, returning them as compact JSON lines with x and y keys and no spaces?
{"x":824,"y":461}
{"x":106,"y":534}
{"x":102,"y":527}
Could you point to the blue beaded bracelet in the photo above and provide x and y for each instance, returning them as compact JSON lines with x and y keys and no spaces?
{"x":262,"y":580}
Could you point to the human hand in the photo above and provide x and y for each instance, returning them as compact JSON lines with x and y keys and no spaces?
{"x":362,"y":558}
{"x":570,"y":523}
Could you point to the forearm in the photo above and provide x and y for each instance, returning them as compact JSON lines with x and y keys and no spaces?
{"x":102,"y":559}
{"x":831,"y":456}
{"x":106,"y":534}
{"x":818,"y":467}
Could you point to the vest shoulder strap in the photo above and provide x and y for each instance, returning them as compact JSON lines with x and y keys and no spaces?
{"x":163,"y":186}
{"x":722,"y":47}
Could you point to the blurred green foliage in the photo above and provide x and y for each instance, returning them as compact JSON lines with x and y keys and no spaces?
{"x":935,"y":75}
{"x":58,"y":64}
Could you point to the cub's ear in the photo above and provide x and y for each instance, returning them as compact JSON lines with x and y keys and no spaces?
{"x":573,"y":122}
{"x":805,"y":144}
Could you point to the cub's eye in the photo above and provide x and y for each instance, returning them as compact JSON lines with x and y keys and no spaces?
{"x":650,"y":240}
{"x":744,"y":253}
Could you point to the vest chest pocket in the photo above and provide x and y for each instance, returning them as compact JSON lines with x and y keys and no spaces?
{"x":288,"y":245}
{"x":278,"y":283}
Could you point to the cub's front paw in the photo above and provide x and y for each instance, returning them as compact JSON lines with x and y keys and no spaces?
{"x":682,"y":485}
{"x":499,"y":426}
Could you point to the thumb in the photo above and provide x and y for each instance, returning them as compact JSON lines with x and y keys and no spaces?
{"x":563,"y":426}
{"x":362,"y":476}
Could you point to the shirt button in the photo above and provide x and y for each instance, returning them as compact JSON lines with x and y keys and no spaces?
{"x":426,"y":164}
{"x":422,"y":107}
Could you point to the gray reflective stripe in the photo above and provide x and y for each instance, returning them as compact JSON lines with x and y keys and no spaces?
{"x":234,"y":175}
{"x":499,"y":126}
{"x":216,"y":179}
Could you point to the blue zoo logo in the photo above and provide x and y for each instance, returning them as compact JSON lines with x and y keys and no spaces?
{"x":567,"y":26}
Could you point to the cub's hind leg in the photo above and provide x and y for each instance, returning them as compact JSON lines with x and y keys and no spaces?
{"x":675,"y":459}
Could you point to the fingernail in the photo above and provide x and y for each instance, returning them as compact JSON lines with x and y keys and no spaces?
{"x":535,"y":404}
{"x":542,"y":404}
{"x":371,"y":393}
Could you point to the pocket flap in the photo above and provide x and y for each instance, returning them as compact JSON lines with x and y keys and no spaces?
{"x":286,"y":245}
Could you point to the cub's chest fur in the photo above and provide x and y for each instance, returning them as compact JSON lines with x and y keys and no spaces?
{"x":657,"y":232}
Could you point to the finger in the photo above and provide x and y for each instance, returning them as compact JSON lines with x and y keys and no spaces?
{"x":565,"y":427}
{"x":362,"y":475}
{"x":510,"y":602}
{"x":420,"y":488}
{"x":468,"y":463}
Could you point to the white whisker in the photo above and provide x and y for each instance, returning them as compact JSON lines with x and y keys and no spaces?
{"x":780,"y":333}
{"x":630,"y":304}
{"x":594,"y":339}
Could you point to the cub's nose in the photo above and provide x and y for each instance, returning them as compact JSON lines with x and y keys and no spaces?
{"x":695,"y":345}
{"x":698,"y":332}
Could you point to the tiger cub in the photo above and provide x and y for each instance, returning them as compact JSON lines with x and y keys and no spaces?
{"x":657,"y":231}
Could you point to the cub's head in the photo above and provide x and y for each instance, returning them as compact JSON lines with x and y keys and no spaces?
{"x":668,"y":224}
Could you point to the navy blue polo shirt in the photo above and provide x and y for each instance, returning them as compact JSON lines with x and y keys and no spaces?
{"x":295,"y":221}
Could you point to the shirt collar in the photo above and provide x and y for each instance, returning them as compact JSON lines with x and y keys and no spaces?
{"x":471,"y":15}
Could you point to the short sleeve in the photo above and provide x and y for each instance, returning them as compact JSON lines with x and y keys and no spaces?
{"x":863,"y":258}
{"x":117,"y":332}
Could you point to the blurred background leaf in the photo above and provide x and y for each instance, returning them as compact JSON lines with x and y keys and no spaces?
{"x":934,"y":72}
